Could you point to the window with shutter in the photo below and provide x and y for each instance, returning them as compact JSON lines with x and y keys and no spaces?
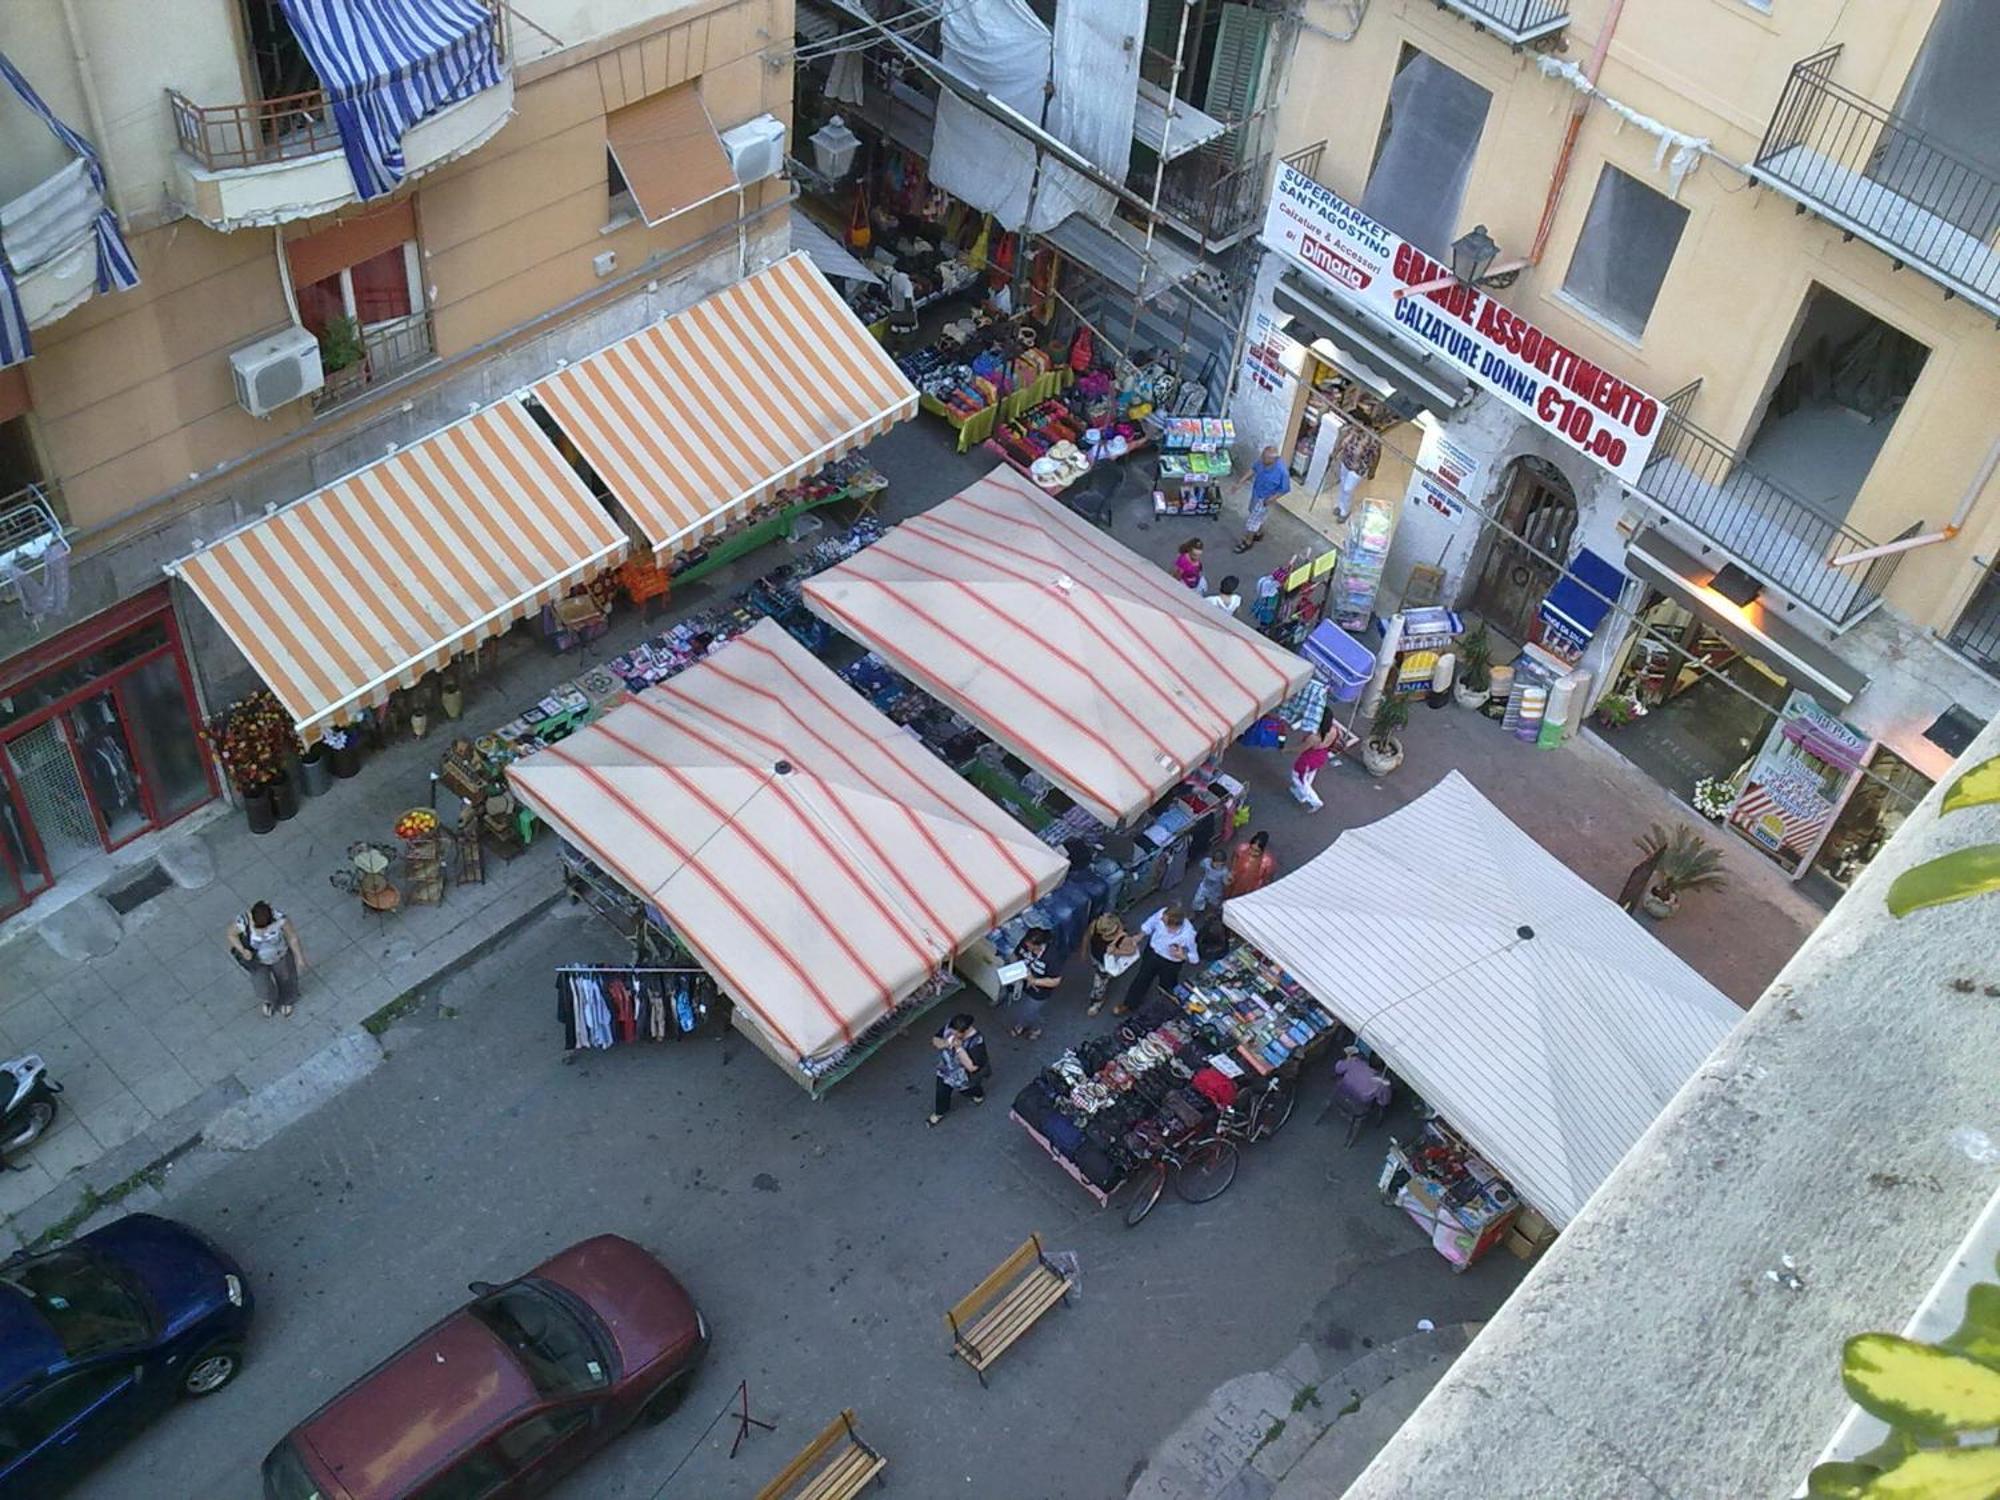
{"x":1236,"y":71}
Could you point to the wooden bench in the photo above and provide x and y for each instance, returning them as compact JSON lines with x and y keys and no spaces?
{"x":836,"y":1465}
{"x":986,"y":1321}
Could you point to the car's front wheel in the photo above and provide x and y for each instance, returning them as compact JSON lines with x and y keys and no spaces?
{"x":211,"y":1370}
{"x":666,"y":1400}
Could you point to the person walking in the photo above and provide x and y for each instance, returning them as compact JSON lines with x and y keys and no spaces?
{"x":1268,"y":479}
{"x":1169,"y":943}
{"x":1226,"y":598}
{"x":956,"y":1071}
{"x":1251,"y":868}
{"x":1317,"y":754}
{"x":266,"y":946}
{"x":1111,"y":951}
{"x":1187,"y":564}
{"x":1214,"y":875}
{"x":1044,"y":977}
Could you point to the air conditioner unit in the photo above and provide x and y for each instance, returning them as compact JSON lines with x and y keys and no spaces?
{"x":756,"y":148}
{"x":276,"y":370}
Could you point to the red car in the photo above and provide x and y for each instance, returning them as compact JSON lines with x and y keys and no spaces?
{"x":511,"y":1392}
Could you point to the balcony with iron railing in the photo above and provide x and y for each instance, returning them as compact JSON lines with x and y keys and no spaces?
{"x":1785,"y":540}
{"x":272,"y":161}
{"x":1976,"y":636}
{"x":388,"y":352}
{"x":1518,"y":23}
{"x":1877,"y":178}
{"x":1216,"y":200}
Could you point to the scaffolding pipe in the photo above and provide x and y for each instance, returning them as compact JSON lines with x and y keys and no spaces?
{"x":1160,"y":177}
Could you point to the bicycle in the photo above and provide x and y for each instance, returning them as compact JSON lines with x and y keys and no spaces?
{"x":1204,"y":1169}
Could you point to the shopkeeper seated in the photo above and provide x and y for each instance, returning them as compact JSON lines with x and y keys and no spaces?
{"x":1360,"y":1087}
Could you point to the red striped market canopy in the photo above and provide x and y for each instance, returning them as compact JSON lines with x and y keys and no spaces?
{"x":817,"y":859}
{"x":1092,"y":664}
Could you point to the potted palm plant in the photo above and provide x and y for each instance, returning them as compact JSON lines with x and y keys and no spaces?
{"x":1475,"y":678}
{"x":1382,"y":750}
{"x":1682,"y":861}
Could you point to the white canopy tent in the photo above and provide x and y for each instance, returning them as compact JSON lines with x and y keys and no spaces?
{"x":1541,"y":1020}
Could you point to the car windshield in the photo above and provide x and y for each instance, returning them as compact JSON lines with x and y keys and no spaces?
{"x":285,"y":1476}
{"x":559,"y":1350}
{"x":88,"y":1304}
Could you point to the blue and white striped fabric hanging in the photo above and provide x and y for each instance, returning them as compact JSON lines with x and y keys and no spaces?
{"x":386,"y":64}
{"x":116,"y":269}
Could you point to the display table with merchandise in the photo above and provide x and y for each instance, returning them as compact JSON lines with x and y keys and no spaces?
{"x":1261,"y":1009}
{"x":1192,"y":465}
{"x":1460,"y":1203}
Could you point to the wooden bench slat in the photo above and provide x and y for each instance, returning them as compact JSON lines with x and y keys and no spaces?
{"x":1018,"y":1310}
{"x":846,"y":1478}
{"x":843,"y":1477}
{"x":967,"y":1307}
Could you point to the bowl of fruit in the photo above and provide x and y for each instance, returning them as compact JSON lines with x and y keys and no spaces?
{"x":417,"y":823}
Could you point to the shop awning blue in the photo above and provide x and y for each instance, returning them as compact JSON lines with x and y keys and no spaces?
{"x":386,"y":64}
{"x":1586,"y":591}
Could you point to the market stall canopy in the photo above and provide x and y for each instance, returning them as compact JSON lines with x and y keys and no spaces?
{"x":1543,"y":1022}
{"x":668,"y":153}
{"x":1088,"y":661}
{"x":697,"y":421}
{"x":817,"y":859}
{"x":368,"y":584}
{"x":826,"y":252}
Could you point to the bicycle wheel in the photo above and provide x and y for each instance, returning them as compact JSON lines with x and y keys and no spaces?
{"x":1151,"y":1182}
{"x":1207,"y":1170}
{"x":1274,"y":1107}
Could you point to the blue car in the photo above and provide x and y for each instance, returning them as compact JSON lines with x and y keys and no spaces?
{"x":101,"y":1336}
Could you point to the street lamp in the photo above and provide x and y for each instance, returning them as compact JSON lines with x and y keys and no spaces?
{"x":1471,"y":254}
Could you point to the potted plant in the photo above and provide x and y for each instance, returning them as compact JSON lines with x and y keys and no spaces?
{"x":451,"y":692}
{"x":342,"y":354}
{"x":1475,"y":678}
{"x":253,"y":739}
{"x":1714,"y":796}
{"x":1382,"y":751}
{"x":1682,"y":861}
{"x":1616,"y":710}
{"x":315,"y":769}
{"x":343,"y":746}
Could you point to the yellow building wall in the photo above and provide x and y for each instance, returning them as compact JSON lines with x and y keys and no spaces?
{"x":1736,"y":287}
{"x":132,"y":392}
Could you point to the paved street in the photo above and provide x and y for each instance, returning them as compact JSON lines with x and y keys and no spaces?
{"x":824,"y":1242}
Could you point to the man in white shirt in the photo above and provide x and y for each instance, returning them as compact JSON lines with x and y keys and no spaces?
{"x":1226,"y":598}
{"x":1169,"y":938}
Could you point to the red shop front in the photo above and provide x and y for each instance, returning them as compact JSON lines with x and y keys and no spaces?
{"x":99,"y":743}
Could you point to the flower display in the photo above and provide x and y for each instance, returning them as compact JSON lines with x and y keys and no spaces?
{"x":1713,"y":796}
{"x":336,"y":738}
{"x":417,"y":823}
{"x":253,"y":738}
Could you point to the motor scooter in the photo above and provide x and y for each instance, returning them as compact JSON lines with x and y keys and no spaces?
{"x":30,"y":1107}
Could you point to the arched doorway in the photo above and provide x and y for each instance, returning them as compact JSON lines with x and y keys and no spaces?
{"x":1540,"y":510}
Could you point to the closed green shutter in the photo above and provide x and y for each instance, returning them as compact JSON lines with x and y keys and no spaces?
{"x":1237,"y":72}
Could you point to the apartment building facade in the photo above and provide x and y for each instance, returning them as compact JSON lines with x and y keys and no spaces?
{"x":1731,"y":323}
{"x":311,"y":294}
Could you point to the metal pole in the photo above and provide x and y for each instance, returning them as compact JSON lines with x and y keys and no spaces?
{"x":1160,"y":176}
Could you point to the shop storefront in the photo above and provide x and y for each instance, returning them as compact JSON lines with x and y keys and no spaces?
{"x":99,"y":743}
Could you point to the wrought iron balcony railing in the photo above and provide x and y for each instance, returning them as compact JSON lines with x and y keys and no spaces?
{"x":390,"y":350}
{"x":1216,"y":199}
{"x":1781,"y":538}
{"x":1977,"y":633}
{"x":223,"y":137}
{"x":1876,"y":177}
{"x":1516,"y":22}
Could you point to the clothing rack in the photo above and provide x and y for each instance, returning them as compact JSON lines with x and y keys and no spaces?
{"x":607,"y":1005}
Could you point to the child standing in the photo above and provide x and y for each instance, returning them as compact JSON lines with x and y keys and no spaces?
{"x":1214,"y":875}
{"x":1187,"y":564}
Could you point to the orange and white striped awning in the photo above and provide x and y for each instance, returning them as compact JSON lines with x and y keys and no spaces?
{"x":368,"y":584}
{"x":696,"y":421}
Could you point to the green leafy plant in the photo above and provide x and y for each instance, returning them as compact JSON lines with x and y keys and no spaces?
{"x":1931,"y":1396}
{"x":1616,"y":710}
{"x":253,"y":739}
{"x":1687,"y":861}
{"x":1714,"y":796}
{"x":1390,"y":716}
{"x":340,"y":346}
{"x":1963,"y":872}
{"x":1477,"y":651}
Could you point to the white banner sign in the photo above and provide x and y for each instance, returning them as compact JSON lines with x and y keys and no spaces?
{"x":1587,"y":407}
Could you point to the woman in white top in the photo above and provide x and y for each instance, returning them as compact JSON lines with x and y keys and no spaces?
{"x":266,"y":945}
{"x":1169,"y":938}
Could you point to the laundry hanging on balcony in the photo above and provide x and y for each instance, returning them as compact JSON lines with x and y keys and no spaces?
{"x":386,"y":64}
{"x":50,"y":219}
